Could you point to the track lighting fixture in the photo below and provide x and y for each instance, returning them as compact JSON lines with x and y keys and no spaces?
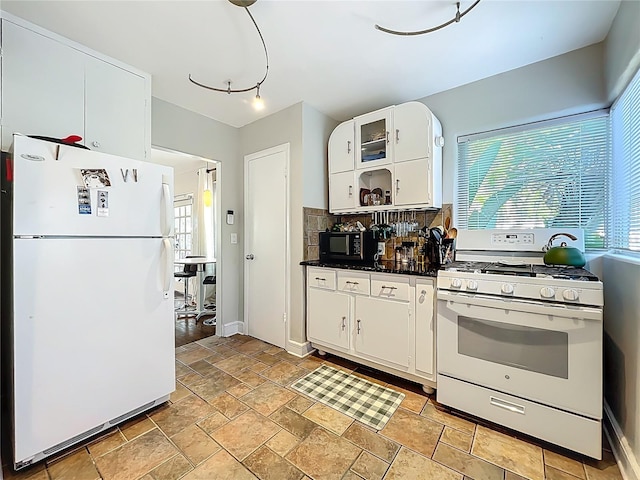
{"x":258,"y":103}
{"x":456,"y":19}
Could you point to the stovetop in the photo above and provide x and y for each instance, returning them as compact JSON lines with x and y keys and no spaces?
{"x":522,"y":270}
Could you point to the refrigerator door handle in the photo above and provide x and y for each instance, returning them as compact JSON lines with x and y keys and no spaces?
{"x":166,"y":196}
{"x":168,"y":271}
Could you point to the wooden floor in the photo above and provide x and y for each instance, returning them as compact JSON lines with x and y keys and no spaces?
{"x":188,"y":331}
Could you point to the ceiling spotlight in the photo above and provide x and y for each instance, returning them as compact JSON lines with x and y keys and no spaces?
{"x":456,"y":19}
{"x":258,"y":103}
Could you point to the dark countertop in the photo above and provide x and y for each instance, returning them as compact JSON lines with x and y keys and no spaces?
{"x":384,"y":267}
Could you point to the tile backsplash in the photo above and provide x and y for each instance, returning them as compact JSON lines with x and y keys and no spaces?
{"x":317,"y":220}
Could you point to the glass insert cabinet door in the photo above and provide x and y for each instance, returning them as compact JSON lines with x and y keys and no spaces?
{"x":373,"y":143}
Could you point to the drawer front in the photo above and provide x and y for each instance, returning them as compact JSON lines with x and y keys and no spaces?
{"x":386,"y":286}
{"x":353,"y":282}
{"x":321,"y":278}
{"x":574,"y":432}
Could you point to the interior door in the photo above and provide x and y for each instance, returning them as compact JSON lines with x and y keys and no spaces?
{"x":266,"y":248}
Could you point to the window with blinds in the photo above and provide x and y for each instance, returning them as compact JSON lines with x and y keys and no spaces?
{"x":625,"y":197}
{"x":544,"y":175}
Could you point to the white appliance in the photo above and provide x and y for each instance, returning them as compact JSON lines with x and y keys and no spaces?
{"x":88,"y":308}
{"x":520,"y":343}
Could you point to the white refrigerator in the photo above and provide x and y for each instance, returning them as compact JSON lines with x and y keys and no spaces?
{"x":89,"y":301}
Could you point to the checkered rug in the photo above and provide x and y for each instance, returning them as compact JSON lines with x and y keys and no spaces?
{"x":356,"y":397}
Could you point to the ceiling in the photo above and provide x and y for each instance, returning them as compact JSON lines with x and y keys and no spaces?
{"x":326,"y":53}
{"x":181,"y":162}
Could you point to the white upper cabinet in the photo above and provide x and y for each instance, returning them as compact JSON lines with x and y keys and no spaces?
{"x":412,"y":132}
{"x":42,"y":86}
{"x":114,"y":97}
{"x":397,"y":161}
{"x":54,"y":87}
{"x":343,"y":193}
{"x":374,"y":146}
{"x":341,"y":148}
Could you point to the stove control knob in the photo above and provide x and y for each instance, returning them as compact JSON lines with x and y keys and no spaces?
{"x":456,"y":283}
{"x":507,"y":289}
{"x":547,"y":292}
{"x":472,"y":285}
{"x":570,"y":295}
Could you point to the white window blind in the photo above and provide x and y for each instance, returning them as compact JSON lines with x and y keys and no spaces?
{"x":543,"y":175}
{"x":625,"y":195}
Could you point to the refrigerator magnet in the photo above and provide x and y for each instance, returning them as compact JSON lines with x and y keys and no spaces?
{"x":84,"y":201}
{"x":103,"y":203}
{"x":95,"y":177}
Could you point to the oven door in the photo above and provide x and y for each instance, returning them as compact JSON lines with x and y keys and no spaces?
{"x":548,"y":353}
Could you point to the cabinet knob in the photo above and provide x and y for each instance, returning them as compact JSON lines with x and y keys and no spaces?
{"x":250,"y":256}
{"x":95,"y":143}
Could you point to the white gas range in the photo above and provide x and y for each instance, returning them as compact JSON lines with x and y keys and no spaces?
{"x":520,"y":343}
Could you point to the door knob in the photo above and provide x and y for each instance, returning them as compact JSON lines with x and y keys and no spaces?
{"x":250,"y":256}
{"x":95,"y":144}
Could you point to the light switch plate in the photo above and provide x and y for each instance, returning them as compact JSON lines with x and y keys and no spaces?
{"x":234,"y":238}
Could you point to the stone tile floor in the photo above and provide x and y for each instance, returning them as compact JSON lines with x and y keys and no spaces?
{"x":233,"y":416}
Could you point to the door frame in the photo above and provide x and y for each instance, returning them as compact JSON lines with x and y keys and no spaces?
{"x":282,"y":148}
{"x":219,"y":244}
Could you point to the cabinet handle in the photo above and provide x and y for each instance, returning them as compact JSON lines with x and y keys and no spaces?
{"x":390,"y":288}
{"x":358,"y":326}
{"x":322,"y":279}
{"x":348,"y":146}
{"x":344,"y":319}
{"x":350,"y":190}
{"x":387,"y":137}
{"x":95,"y":144}
{"x":397,"y":185}
{"x":352,"y":283}
{"x":397,"y":135}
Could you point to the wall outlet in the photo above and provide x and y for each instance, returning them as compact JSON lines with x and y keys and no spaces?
{"x":234,"y":238}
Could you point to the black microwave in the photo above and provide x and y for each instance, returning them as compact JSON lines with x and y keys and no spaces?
{"x":354,"y":247}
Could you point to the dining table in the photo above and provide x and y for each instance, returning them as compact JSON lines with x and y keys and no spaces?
{"x":200,"y":262}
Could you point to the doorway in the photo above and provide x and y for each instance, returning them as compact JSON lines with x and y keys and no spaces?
{"x":197,"y":233}
{"x":266,"y":248}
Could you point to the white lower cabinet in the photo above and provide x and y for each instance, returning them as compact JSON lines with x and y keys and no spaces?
{"x":386,"y":323}
{"x":425,"y":327}
{"x":328,"y":317}
{"x":382,"y":330}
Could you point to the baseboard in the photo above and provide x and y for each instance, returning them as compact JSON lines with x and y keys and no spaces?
{"x":627,"y":461}
{"x":232,"y":328}
{"x":299,"y":349}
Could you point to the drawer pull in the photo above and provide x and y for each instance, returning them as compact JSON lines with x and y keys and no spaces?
{"x":358,"y":326}
{"x":351,"y":283}
{"x":343,"y":323}
{"x":512,"y":407}
{"x":390,"y":288}
{"x":321,"y":279}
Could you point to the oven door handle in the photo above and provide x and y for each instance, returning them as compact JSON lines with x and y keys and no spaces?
{"x":531,"y":306}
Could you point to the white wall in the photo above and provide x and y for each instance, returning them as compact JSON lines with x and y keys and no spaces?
{"x":563,"y":85}
{"x":621,"y":276}
{"x":175,"y":128}
{"x":316,"y":128}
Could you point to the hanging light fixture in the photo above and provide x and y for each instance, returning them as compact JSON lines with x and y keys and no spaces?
{"x":258,"y":103}
{"x":456,"y":19}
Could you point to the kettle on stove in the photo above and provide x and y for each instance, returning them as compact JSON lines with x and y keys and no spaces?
{"x":563,"y":255}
